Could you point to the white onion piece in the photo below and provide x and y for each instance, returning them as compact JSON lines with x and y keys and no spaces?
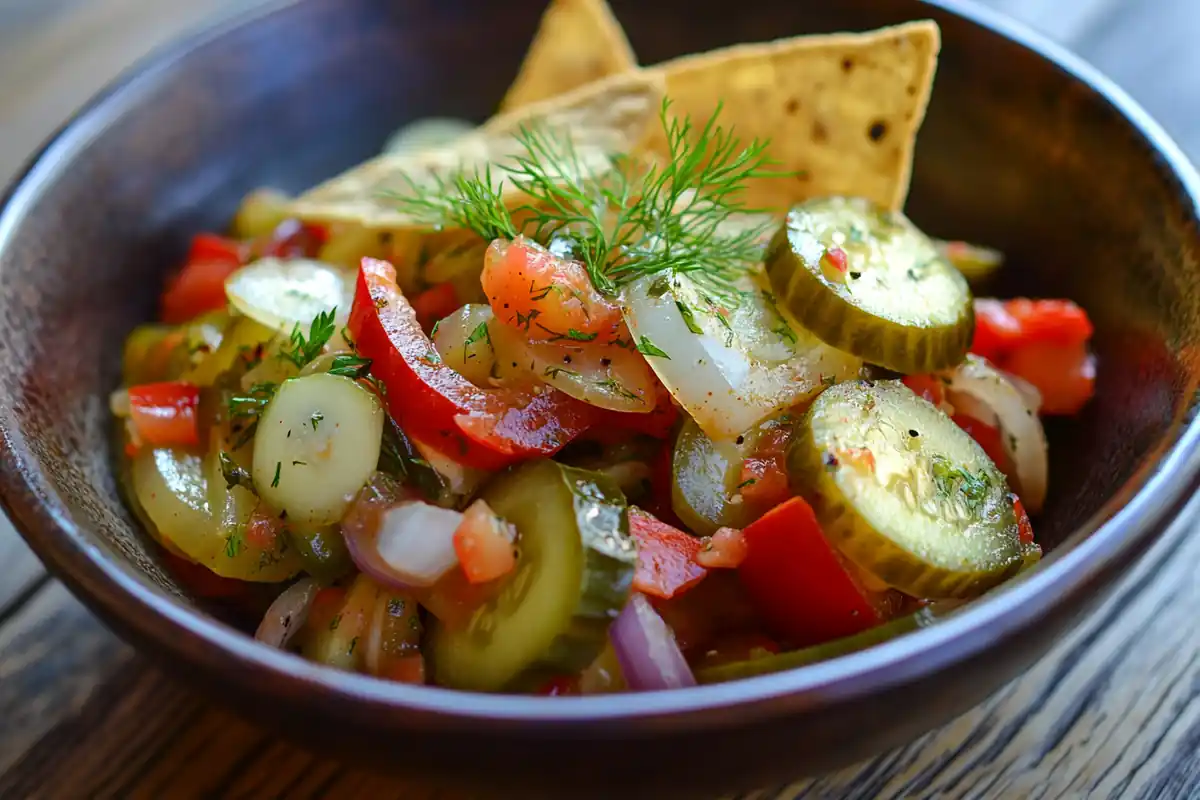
{"x":1033,"y":397}
{"x":646,"y":649}
{"x":977,"y":381}
{"x":287,"y":614}
{"x":729,"y":377}
{"x":413,"y":546}
{"x":283,"y":294}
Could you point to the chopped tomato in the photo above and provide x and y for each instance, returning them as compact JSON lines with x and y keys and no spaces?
{"x":1002,"y":326}
{"x":485,"y":428}
{"x":484,"y":544}
{"x":929,"y":387}
{"x":659,"y":423}
{"x":405,"y":669}
{"x":454,"y":599}
{"x":797,"y":581}
{"x":262,"y":529}
{"x":434,"y":304}
{"x":763,"y":481}
{"x":716,"y":607}
{"x":1024,"y":527}
{"x":725,"y":549}
{"x":1064,"y":374}
{"x":164,"y":414}
{"x":547,"y":297}
{"x":988,"y":437}
{"x":200,"y":285}
{"x":292,"y":239}
{"x":666,"y":557}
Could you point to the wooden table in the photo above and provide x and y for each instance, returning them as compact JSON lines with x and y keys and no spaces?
{"x":1111,"y":712}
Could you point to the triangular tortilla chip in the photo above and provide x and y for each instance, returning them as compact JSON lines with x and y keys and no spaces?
{"x":841,"y":110}
{"x":601,"y":119}
{"x":577,"y":42}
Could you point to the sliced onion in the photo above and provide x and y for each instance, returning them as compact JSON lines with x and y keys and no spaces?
{"x":405,"y":546}
{"x":736,"y":373}
{"x":646,"y":649}
{"x":976,"y":383}
{"x":287,"y":614}
{"x":282,"y":294}
{"x":1033,"y":397}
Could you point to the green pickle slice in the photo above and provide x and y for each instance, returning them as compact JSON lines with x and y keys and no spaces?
{"x":904,"y":492}
{"x":867,"y":281}
{"x":574,"y":571}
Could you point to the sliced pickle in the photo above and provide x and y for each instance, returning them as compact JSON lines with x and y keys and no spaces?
{"x":820,"y":652}
{"x":868,"y":282}
{"x":904,"y":492}
{"x":704,"y":481}
{"x":574,"y":571}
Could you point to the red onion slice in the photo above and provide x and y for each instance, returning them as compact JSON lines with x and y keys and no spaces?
{"x":406,"y":546}
{"x":646,"y":649}
{"x":977,"y":382}
{"x":287,"y":614}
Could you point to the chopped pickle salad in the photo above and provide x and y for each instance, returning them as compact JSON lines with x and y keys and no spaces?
{"x":643,"y":383}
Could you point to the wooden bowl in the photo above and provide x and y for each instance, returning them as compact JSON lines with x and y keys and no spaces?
{"x":1025,"y":148}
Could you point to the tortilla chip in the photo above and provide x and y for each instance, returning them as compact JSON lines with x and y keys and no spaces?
{"x":601,"y":119}
{"x":577,"y":42}
{"x":842,"y":111}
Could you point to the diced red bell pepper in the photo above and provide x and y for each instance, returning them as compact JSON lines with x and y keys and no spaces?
{"x":164,"y":414}
{"x":1002,"y":326}
{"x":1065,"y":375}
{"x":666,"y":557}
{"x":434,"y":304}
{"x":797,"y":581}
{"x":200,"y":284}
{"x":659,"y":423}
{"x":988,"y":437}
{"x":485,"y":428}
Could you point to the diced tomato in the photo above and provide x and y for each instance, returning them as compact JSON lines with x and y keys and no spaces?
{"x":659,"y":423}
{"x":262,"y":529}
{"x":485,"y":428}
{"x":1064,"y":374}
{"x":988,"y":437}
{"x":725,"y":549}
{"x":559,"y":685}
{"x":434,"y":304}
{"x":716,"y":607}
{"x":405,"y":669}
{"x":1002,"y":326}
{"x":929,"y":387}
{"x":763,"y":482}
{"x":484,"y":544}
{"x":326,"y":605}
{"x":1024,"y":527}
{"x":797,"y":581}
{"x":292,"y":239}
{"x":164,"y":414}
{"x":666,"y":557}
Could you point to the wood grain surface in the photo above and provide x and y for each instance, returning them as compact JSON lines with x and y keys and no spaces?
{"x":1112,"y":711}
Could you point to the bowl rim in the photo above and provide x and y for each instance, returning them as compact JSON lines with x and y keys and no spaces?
{"x":1103,"y":544}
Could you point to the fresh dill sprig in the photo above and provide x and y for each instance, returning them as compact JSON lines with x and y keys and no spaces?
{"x":244,"y":411}
{"x":628,"y":219}
{"x":350,"y":366}
{"x":305,"y":349}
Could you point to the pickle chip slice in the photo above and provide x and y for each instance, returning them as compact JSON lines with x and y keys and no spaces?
{"x":867,"y":281}
{"x":904,"y":492}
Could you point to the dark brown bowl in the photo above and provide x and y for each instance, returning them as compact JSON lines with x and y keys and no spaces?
{"x":1025,"y":148}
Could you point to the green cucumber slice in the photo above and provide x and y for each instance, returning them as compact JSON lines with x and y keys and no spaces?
{"x":904,"y":492}
{"x":574,"y":571}
{"x":867,"y":281}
